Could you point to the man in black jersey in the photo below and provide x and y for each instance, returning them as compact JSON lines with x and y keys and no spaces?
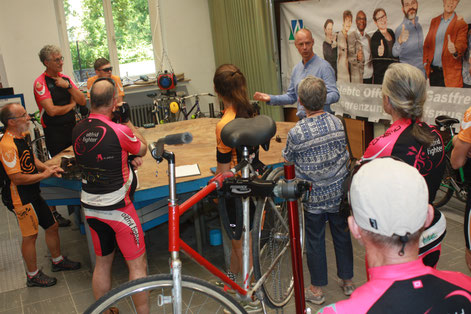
{"x":56,"y":96}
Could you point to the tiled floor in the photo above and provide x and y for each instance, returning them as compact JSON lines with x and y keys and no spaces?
{"x":73,"y":294}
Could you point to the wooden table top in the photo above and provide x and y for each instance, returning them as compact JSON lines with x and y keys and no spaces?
{"x":202,"y":150}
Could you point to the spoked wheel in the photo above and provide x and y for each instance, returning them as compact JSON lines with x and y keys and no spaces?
{"x":197,"y":296}
{"x":40,"y":149}
{"x":446,"y":190}
{"x":271,"y":247}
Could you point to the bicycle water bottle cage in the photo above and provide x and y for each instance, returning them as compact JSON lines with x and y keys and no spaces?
{"x":445,"y":121}
{"x":249,"y":132}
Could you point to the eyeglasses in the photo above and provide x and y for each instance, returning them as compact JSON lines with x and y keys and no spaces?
{"x":109,"y":69}
{"x":19,"y":117}
{"x":58,"y":60}
{"x":381,"y":18}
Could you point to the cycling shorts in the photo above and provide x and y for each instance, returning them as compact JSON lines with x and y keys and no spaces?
{"x":34,"y":214}
{"x":119,"y":226}
{"x":58,"y":138}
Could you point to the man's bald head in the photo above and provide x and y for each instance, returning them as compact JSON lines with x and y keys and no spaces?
{"x":303,"y":41}
{"x":303,"y":32}
{"x":102,"y":93}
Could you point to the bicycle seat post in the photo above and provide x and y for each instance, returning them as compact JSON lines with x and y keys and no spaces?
{"x":246,"y":225}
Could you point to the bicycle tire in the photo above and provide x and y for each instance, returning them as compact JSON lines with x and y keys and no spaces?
{"x":445,"y":191}
{"x":270,"y":240}
{"x":39,"y":148}
{"x":206,"y":297}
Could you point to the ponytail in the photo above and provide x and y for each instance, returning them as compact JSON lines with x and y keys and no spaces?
{"x":405,"y":87}
{"x":230,"y":84}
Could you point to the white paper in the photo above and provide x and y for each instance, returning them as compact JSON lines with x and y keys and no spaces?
{"x":187,"y":170}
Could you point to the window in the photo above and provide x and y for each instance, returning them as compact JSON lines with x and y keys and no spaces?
{"x":118,"y":30}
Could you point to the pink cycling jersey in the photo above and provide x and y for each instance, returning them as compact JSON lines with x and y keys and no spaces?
{"x":45,"y":88}
{"x":398,"y":141}
{"x":408,"y":288}
{"x":101,"y":148}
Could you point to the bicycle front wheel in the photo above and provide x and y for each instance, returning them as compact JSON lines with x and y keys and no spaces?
{"x":271,"y":247}
{"x":197,"y":296}
{"x":446,"y":190}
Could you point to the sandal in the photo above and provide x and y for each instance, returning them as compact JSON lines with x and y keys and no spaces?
{"x":347,"y":287}
{"x":316,"y":298}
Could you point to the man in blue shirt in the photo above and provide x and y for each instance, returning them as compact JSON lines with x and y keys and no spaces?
{"x":311,"y":64}
{"x":409,"y":46}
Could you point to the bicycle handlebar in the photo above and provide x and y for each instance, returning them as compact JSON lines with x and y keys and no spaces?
{"x":178,"y":98}
{"x":197,"y":95}
{"x":157,"y":148}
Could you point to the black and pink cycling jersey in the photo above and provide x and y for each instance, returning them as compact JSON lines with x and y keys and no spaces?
{"x":398,"y":141}
{"x":101,"y":149}
{"x":45,"y":88}
{"x":408,"y":288}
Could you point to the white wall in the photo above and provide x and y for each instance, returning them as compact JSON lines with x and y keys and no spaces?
{"x":187,"y":36}
{"x":27,"y":25}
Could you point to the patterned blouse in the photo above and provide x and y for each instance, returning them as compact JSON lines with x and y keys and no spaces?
{"x":317,"y":146}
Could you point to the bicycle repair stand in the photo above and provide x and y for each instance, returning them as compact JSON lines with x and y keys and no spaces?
{"x":296,"y":256}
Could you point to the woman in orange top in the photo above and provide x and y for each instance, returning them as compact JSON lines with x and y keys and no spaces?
{"x":231,"y":87}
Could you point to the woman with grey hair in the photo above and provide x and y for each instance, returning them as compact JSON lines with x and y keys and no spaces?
{"x":414,"y":141}
{"x":317,"y":146}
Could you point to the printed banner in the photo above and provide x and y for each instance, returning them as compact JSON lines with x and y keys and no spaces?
{"x":340,"y":36}
{"x":362,"y":100}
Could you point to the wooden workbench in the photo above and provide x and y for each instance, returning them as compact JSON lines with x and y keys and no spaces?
{"x":202,"y":150}
{"x":150,"y":199}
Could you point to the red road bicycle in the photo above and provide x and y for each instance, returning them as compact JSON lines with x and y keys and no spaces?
{"x":277,"y":235}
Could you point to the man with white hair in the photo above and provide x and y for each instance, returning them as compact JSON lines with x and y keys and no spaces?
{"x":389,"y":200}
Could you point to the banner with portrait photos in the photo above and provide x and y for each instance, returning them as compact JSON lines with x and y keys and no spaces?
{"x":356,"y":98}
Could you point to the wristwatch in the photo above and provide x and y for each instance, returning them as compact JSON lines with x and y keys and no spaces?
{"x":70,"y":86}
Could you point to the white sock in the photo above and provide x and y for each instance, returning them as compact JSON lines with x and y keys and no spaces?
{"x":57,"y":259}
{"x":32,"y":274}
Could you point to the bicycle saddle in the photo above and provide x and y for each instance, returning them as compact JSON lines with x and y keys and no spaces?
{"x":249,"y":132}
{"x":445,"y":121}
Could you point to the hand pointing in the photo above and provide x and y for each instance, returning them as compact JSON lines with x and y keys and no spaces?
{"x":261,"y":97}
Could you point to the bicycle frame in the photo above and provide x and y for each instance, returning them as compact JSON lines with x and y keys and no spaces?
{"x":176,"y":243}
{"x":196,"y":105}
{"x":448,"y":148}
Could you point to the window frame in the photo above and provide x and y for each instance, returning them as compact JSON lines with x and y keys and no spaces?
{"x":154,"y":16}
